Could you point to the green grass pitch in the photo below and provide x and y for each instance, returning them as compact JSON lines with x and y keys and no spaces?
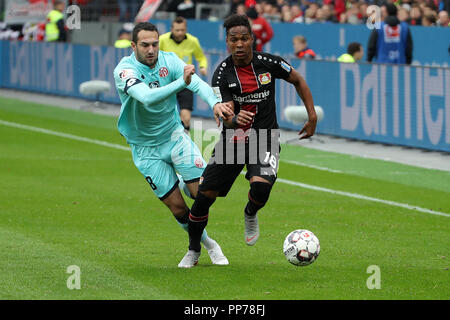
{"x":66,"y":202}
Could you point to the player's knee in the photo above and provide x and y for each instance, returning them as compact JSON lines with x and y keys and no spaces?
{"x":177,"y":208}
{"x":259,"y":193}
{"x":202,"y":204}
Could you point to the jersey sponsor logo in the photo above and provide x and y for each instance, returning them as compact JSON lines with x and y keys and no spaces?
{"x":163,"y":72}
{"x":391,"y":34}
{"x":126,"y":74}
{"x":253,"y":97}
{"x":264,"y":78}
{"x":285,"y":66}
{"x":154,"y":84}
{"x":232,"y":85}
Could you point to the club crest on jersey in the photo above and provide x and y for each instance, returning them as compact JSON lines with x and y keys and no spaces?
{"x":264,"y":78}
{"x":285,"y":66}
{"x":163,"y":72}
{"x":198,"y":163}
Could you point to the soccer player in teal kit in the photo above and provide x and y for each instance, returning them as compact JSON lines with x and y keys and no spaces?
{"x":147,"y":82}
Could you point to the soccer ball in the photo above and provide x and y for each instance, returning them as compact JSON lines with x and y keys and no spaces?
{"x":301,"y":247}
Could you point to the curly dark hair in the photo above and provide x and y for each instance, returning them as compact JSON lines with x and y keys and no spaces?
{"x":236,"y":20}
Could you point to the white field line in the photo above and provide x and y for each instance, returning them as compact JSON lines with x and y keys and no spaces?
{"x":293,"y":183}
{"x":297,"y":163}
{"x":64,"y":135}
{"x":362,"y":197}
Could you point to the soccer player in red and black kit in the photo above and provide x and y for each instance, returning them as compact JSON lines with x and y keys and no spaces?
{"x":245,"y":80}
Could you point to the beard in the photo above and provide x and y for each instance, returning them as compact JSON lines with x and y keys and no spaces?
{"x":142,"y":59}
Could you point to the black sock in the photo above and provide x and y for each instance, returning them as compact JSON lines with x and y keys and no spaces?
{"x":185,"y":218}
{"x":195,"y":229}
{"x":251,"y":208}
{"x":198,"y":219}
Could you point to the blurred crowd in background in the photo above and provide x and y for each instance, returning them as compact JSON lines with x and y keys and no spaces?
{"x":262,"y":13}
{"x":414,"y":12}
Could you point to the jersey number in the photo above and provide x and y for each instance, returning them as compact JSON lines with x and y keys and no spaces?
{"x":150,"y":182}
{"x":271,"y":159}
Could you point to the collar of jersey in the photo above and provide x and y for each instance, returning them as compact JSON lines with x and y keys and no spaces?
{"x":144,"y":67}
{"x":173,"y":38}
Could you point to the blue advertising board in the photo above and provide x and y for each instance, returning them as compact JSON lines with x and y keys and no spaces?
{"x":400,"y":105}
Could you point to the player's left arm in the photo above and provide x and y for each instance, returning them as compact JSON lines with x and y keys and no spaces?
{"x":304,"y":93}
{"x":197,"y":85}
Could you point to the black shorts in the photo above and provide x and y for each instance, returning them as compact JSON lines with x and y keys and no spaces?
{"x":185,"y":99}
{"x":220,"y":174}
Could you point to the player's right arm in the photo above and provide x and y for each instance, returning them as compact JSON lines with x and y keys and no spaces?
{"x":304,"y":92}
{"x":127,"y":80}
{"x":222,"y":92}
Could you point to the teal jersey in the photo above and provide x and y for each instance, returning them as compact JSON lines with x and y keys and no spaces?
{"x":149,"y":115}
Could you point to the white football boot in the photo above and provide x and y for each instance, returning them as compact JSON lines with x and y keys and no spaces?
{"x":215,"y":252}
{"x":189,"y":260}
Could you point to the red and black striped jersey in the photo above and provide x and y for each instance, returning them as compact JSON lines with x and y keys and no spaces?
{"x":252,"y":87}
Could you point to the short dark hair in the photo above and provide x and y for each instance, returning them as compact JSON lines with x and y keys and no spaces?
{"x":353,"y":47}
{"x":391,"y":9}
{"x":179,"y":20}
{"x":147,"y":26}
{"x":237,"y":20}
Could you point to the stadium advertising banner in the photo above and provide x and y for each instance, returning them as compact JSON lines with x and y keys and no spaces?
{"x":400,"y":105}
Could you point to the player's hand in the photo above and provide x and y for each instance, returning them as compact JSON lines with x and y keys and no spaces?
{"x":308,"y":129}
{"x":243,"y":118}
{"x":222,"y":110}
{"x":189,"y":70}
{"x":203,"y":71}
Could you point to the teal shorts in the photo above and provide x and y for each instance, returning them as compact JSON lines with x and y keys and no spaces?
{"x":160,"y":164}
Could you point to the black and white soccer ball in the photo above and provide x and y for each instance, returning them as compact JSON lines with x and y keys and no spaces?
{"x":301,"y":247}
